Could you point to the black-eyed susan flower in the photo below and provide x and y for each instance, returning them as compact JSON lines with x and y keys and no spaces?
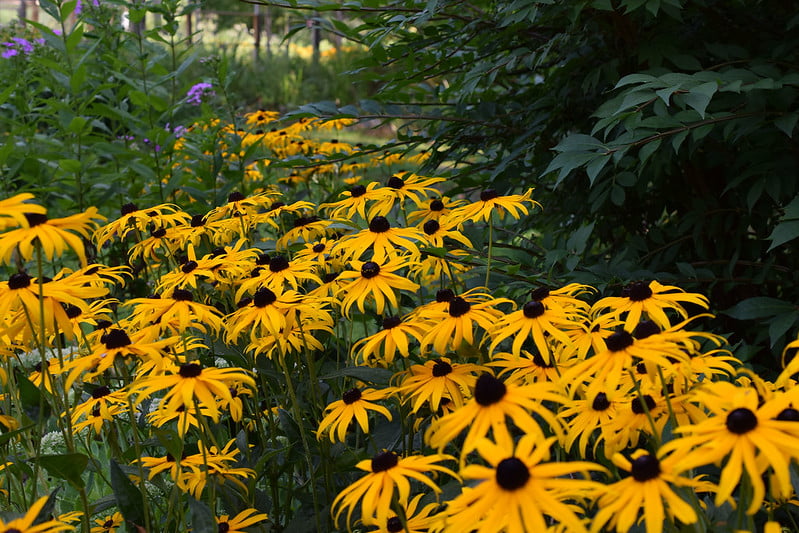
{"x":381,"y":239}
{"x":303,"y":336}
{"x":109,"y":523}
{"x":650,"y":301}
{"x":190,"y":272}
{"x":377,"y":281}
{"x":355,"y":201}
{"x":437,"y":268}
{"x":271,"y":313}
{"x":492,"y":403}
{"x":176,"y":313}
{"x":435,"y":380}
{"x":192,"y":384}
{"x":53,"y":235}
{"x":133,"y":219}
{"x":354,"y":404}
{"x":748,"y":437}
{"x":648,"y":492}
{"x":585,"y":416}
{"x":534,"y":320}
{"x":451,"y":328}
{"x":388,"y":477}
{"x":245,"y":519}
{"x":436,"y":232}
{"x":101,"y":407}
{"x":276,"y":272}
{"x":416,"y":520}
{"x":529,"y":367}
{"x":491,"y":202}
{"x":402,"y":187}
{"x":28,"y":523}
{"x":214,"y":465}
{"x":382,"y":347}
{"x":519,"y":490}
{"x":434,"y":209}
{"x":306,"y":229}
{"x":13,"y":209}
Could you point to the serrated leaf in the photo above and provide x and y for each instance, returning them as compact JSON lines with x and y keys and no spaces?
{"x":759,"y":307}
{"x":68,"y":466}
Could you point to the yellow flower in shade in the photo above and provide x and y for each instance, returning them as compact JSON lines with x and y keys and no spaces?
{"x":451,"y":328}
{"x":492,"y":403}
{"x":100,"y":408}
{"x":177,"y":313}
{"x":53,"y":235}
{"x":529,"y":367}
{"x":13,"y":209}
{"x":261,"y":117}
{"x":518,"y":491}
{"x":354,"y":404}
{"x":435,"y":232}
{"x":590,"y":337}
{"x":301,"y":337}
{"x":276,"y":273}
{"x":212,"y":464}
{"x":436,"y":268}
{"x":405,"y":186}
{"x":651,"y":301}
{"x":435,"y":380}
{"x":383,"y":240}
{"x":133,"y":219}
{"x":586,"y":415}
{"x":645,"y":412}
{"x":534,"y":319}
{"x":415,"y":522}
{"x":160,"y":239}
{"x":183,"y":418}
{"x":491,"y":202}
{"x":373,"y":280}
{"x":194,"y":385}
{"x":240,"y":206}
{"x":747,"y":436}
{"x":28,"y":522}
{"x":270,"y":313}
{"x":246,"y":518}
{"x":320,"y":253}
{"x":355,"y":201}
{"x":382,"y":347}
{"x":189,"y":273}
{"x":306,"y":229}
{"x":434,"y":209}
{"x":388,"y":477}
{"x":108,"y":523}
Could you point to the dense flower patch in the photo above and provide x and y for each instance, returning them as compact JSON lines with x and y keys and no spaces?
{"x":323,"y":347}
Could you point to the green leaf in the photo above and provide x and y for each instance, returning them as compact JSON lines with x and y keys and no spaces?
{"x":759,"y":307}
{"x":648,"y":149}
{"x":786,"y":123}
{"x":128,"y":496}
{"x":378,"y":376}
{"x":33,"y":403}
{"x":68,"y":466}
{"x":780,"y":325}
{"x":634,"y":78}
{"x":699,"y":97}
{"x":783,"y":232}
{"x":202,"y":519}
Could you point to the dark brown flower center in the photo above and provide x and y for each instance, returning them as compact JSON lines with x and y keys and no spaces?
{"x":318,"y":248}
{"x":370,"y":269}
{"x":20,"y":280}
{"x":278,"y":263}
{"x":459,"y":307}
{"x":741,"y":420}
{"x":394,"y":525}
{"x":357,"y":191}
{"x":489,"y":390}
{"x":99,"y":392}
{"x":384,"y":461}
{"x":645,"y":329}
{"x":436,"y":205}
{"x":182,"y":295}
{"x":351,"y":396}
{"x":128,"y":209}
{"x":34,"y":219}
{"x":72,"y":311}
{"x":512,"y":473}
{"x":431,"y":227}
{"x":395,"y":182}
{"x":600,"y":402}
{"x":441,"y":368}
{"x":235,"y":196}
{"x":263,"y":297}
{"x":645,"y":468}
{"x":640,"y":407}
{"x":379,"y":225}
{"x":197,"y":221}
{"x":445,"y":295}
{"x":637,"y":291}
{"x":789,"y":414}
{"x":391,"y":322}
{"x":539,"y":294}
{"x":190,"y":370}
{"x":488,"y":194}
{"x":533,"y":309}
{"x":116,"y":338}
{"x":223,"y":527}
{"x":188,"y":266}
{"x":158,"y":233}
{"x":619,"y":341}
{"x":539,"y":361}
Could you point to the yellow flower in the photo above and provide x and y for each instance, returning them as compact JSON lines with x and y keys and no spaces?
{"x":491,"y":202}
{"x":387,"y":473}
{"x":519,"y":492}
{"x":108,"y":523}
{"x":436,"y":380}
{"x":12,"y":210}
{"x":381,"y":239}
{"x":53,"y":235}
{"x":354,"y":404}
{"x":246,"y":518}
{"x":374,"y":280}
{"x":415,"y":522}
{"x":28,"y":522}
{"x":355,"y":201}
{"x":405,"y":186}
{"x":382,"y":347}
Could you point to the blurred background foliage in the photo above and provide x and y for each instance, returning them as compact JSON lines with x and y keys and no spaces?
{"x":659,"y":135}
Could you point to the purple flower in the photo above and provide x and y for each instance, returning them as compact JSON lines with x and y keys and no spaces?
{"x":199,"y":92}
{"x":15,"y":46}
